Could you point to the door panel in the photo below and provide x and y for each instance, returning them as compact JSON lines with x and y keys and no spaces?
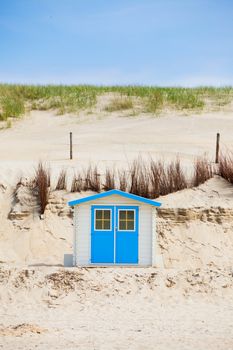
{"x":102,"y":234}
{"x":114,"y":234}
{"x":126,"y":235}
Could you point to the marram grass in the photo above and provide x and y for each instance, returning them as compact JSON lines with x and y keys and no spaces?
{"x":14,"y":99}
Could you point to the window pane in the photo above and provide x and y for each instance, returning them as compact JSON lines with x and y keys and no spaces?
{"x":122,"y":225}
{"x":126,"y":220}
{"x":122,"y":214}
{"x":98,"y":224}
{"x":130,"y":215}
{"x":102,"y":219}
{"x":130,"y":225}
{"x":106,"y":224}
{"x":98,"y":214}
{"x":106,"y":214}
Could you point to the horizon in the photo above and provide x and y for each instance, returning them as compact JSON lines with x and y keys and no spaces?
{"x":120,"y":85}
{"x":123,"y":43}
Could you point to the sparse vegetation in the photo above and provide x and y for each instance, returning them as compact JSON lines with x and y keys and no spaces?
{"x":226,"y":166}
{"x":202,"y":171}
{"x":42,"y":186}
{"x":14,"y":99}
{"x":139,"y":178}
{"x":65,"y":99}
{"x":61,"y":182}
{"x":149,"y":179}
{"x":167,"y":178}
{"x":187,"y":99}
{"x":91,"y":180}
{"x":109,"y":180}
{"x":154,"y":102}
{"x":77,"y":183}
{"x":155,"y":178}
{"x":123,"y":180}
{"x":119,"y":104}
{"x":11,"y":107}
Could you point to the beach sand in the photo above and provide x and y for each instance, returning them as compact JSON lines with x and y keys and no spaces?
{"x":185,"y":305}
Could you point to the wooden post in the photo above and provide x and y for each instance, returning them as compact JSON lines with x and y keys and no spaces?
{"x":217,"y":148}
{"x":71,"y":146}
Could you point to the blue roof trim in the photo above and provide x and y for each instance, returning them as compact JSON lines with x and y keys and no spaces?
{"x":112,"y":192}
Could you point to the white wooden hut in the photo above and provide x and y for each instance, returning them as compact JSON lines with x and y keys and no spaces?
{"x":114,"y":227}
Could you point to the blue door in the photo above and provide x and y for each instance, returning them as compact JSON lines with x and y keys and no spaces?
{"x":126,"y":235}
{"x":102,"y":234}
{"x":114,"y":234}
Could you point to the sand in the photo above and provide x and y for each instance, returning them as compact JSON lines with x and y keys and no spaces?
{"x":187,"y":304}
{"x":119,"y":308}
{"x":109,"y":139}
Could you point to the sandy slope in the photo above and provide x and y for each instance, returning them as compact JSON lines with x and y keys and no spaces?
{"x":109,"y":139}
{"x":196,"y":226}
{"x":120,"y":308}
{"x":187,"y":305}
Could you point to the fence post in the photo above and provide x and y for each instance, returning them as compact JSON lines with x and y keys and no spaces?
{"x":71,"y":146}
{"x":217,"y":148}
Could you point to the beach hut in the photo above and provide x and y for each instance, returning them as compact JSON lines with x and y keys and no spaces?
{"x":114,"y":228}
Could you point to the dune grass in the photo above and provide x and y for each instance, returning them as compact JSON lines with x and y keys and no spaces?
{"x":11,"y":107}
{"x":42,"y":185}
{"x":119,"y":104}
{"x":202,"y":171}
{"x":226,"y":166}
{"x":64,"y":99}
{"x":62,"y":181}
{"x":149,"y":179}
{"x":146,"y":178}
{"x":14,"y":99}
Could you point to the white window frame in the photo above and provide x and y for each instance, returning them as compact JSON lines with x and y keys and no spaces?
{"x":110,"y":219}
{"x":118,"y":219}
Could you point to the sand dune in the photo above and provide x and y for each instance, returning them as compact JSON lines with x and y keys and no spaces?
{"x":116,"y":308}
{"x":186,"y":305}
{"x":111,"y":139}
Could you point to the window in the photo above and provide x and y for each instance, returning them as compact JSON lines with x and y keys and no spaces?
{"x":102,"y":219}
{"x":126,"y":220}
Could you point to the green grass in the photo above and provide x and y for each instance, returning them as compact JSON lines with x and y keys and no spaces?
{"x":64,"y":99}
{"x":14,"y":99}
{"x":11,"y":107}
{"x":154,"y":102}
{"x":119,"y":104}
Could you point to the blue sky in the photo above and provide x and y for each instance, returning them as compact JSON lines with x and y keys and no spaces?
{"x":146,"y":42}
